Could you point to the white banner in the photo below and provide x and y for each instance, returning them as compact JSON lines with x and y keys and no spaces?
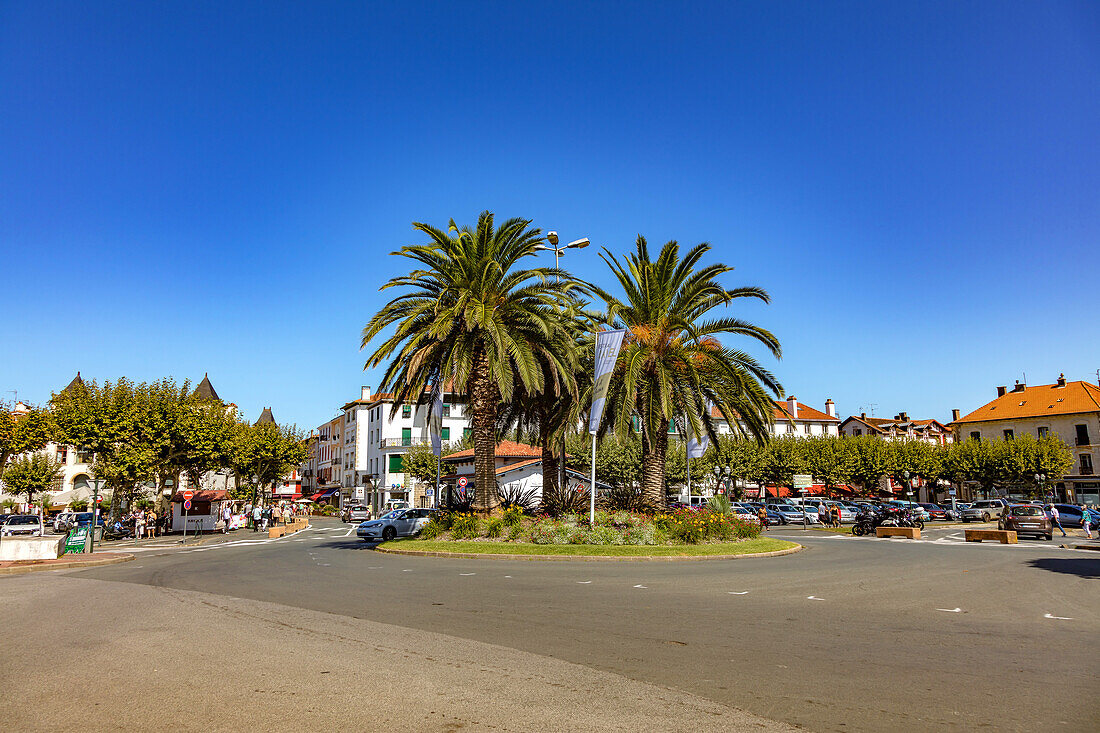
{"x":608,"y":344}
{"x":435,"y":425}
{"x":696,"y":447}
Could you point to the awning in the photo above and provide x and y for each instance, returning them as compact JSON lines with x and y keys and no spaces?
{"x":323,"y":494}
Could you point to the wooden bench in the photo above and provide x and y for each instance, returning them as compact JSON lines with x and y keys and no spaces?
{"x":1004,"y":536}
{"x":910,"y":532}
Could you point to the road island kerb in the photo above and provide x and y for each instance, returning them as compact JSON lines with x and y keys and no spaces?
{"x":65,"y":562}
{"x":586,"y":558}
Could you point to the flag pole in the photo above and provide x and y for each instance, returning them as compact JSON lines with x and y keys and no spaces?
{"x":592,"y":485}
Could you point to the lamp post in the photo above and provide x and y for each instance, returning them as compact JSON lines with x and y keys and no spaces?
{"x":908,"y":488}
{"x":552,"y":238}
{"x":1040,"y":481}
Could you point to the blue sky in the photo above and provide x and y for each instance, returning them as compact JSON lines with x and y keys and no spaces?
{"x":214,"y":187}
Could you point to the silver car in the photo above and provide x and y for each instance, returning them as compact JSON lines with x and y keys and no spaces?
{"x":23,"y":525}
{"x":398,"y":523}
{"x":984,"y":511}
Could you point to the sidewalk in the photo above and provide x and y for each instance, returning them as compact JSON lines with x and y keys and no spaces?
{"x":18,"y":567}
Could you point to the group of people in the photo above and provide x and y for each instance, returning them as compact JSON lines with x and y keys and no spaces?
{"x":1086,"y":519}
{"x":260,"y":517}
{"x":145,"y":522}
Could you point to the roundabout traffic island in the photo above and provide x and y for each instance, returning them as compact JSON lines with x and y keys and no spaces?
{"x":619,"y":535}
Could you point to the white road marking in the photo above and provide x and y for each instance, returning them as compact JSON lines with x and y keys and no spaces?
{"x":407,"y":570}
{"x":814,"y":598}
{"x":507,"y":576}
{"x":467,"y":573}
{"x":375,"y":567}
{"x":1057,"y":618}
{"x":583,"y":582}
{"x":350,"y":532}
{"x":950,"y":610}
{"x":639,"y":586}
{"x":737,"y":592}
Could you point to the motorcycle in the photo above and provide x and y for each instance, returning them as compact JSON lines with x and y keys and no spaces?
{"x":118,"y":531}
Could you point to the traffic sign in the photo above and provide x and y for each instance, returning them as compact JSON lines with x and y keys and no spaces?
{"x":187,"y":504}
{"x":462,"y":482}
{"x":803,"y":481}
{"x":99,"y":500}
{"x":187,"y":495}
{"x":430,"y":492}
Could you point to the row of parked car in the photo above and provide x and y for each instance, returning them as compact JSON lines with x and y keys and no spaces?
{"x":819,"y":511}
{"x":32,"y":525}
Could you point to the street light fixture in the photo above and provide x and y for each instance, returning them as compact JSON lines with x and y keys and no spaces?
{"x":908,"y":488}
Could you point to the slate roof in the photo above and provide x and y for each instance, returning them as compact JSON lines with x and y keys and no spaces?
{"x":265,"y":417}
{"x":205,"y":390}
{"x":77,"y":383}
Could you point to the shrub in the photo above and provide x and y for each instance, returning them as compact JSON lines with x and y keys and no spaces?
{"x":746,"y":530}
{"x":443,"y":519}
{"x":549,"y":532}
{"x":432,"y":530}
{"x":603,"y":519}
{"x":466,"y":526}
{"x":328,"y":510}
{"x":626,"y":498}
{"x":513,"y":497}
{"x":559,"y":502}
{"x":458,"y":500}
{"x":512,"y":516}
{"x":494,"y":527}
{"x":602,"y":535}
{"x":515,"y":532}
{"x":720,"y":504}
{"x":623,"y":519}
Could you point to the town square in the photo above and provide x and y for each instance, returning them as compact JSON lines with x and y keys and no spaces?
{"x":713,"y":366}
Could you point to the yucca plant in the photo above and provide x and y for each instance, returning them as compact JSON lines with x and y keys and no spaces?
{"x":672,"y":362}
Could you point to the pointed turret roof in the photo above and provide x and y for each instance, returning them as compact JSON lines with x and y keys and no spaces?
{"x":77,"y":383}
{"x":266,"y":417}
{"x":205,"y":390}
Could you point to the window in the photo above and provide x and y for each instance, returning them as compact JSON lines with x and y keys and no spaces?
{"x":1043,"y":432}
{"x":976,"y":435}
{"x":396,"y":465}
{"x":806,"y":428}
{"x":790,"y":428}
{"x":446,"y":409}
{"x":1086,"y":464}
{"x":859,"y":431}
{"x":445,"y":433}
{"x":1082,"y":435}
{"x":1009,"y":435}
{"x":406,"y":410}
{"x":406,"y":436}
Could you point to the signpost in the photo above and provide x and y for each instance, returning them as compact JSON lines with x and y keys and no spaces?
{"x":77,"y":540}
{"x":96,"y":498}
{"x":186,"y":505}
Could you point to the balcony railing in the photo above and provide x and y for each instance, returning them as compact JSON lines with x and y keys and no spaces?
{"x":404,"y":442}
{"x":1083,"y":441}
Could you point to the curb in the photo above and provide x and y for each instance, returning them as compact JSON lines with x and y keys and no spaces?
{"x":1080,"y":547}
{"x":588,"y":558}
{"x":32,"y":568}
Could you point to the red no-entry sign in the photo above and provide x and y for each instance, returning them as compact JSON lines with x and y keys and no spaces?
{"x":187,"y":497}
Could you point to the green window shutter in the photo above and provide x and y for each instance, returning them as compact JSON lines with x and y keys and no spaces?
{"x":406,"y":410}
{"x":406,"y":436}
{"x":467,"y":432}
{"x":396,"y":463}
{"x":445,"y":433}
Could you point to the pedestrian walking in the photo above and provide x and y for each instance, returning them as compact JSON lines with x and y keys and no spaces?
{"x":257,"y":513}
{"x":762,"y":514}
{"x":836,"y":513}
{"x":152,"y":519}
{"x":227,"y":516}
{"x":139,"y":524}
{"x":1054,"y":518}
{"x":1086,"y":520}
{"x":265,"y":518}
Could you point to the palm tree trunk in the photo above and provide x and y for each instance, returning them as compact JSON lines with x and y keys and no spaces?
{"x":550,"y":468}
{"x":484,"y":400}
{"x":654,"y":454}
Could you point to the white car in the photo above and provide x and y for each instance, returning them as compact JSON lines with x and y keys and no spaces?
{"x":399,"y":523}
{"x":23,"y":525}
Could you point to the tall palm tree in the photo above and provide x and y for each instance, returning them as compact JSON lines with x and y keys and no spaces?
{"x":470,"y":319}
{"x":672,"y":363}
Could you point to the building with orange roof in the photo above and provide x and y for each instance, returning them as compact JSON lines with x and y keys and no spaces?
{"x":1068,"y":409}
{"x":792,"y":419}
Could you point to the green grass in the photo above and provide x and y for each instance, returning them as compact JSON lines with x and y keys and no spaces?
{"x":764,"y":544}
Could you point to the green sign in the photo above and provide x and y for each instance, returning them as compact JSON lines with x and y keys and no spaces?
{"x":76,"y":540}
{"x":803,"y":481}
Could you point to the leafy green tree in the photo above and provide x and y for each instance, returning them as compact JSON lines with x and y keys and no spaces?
{"x":830,"y":460}
{"x":31,"y":474}
{"x":617,"y":459}
{"x":871,"y":460}
{"x":262,"y":454}
{"x":25,"y":434}
{"x":975,"y":461}
{"x":470,"y":318}
{"x":1053,"y":459}
{"x":783,"y":458}
{"x":672,"y":362}
{"x":420,"y":463}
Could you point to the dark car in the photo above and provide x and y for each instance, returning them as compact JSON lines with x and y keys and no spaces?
{"x":1026,"y":519}
{"x":1070,"y":516}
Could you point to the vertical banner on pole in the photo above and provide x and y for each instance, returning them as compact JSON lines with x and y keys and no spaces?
{"x":435,"y":431}
{"x":608,"y":344}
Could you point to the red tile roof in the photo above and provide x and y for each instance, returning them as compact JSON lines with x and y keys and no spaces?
{"x":805,"y":412}
{"x":1041,"y":401}
{"x":505,"y":449}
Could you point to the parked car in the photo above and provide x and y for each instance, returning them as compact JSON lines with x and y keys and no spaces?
{"x":358,"y":514}
{"x":1070,"y":516}
{"x":1026,"y":519}
{"x":745,"y":514}
{"x":935,"y":511}
{"x":918,"y":511}
{"x":62,"y":518}
{"x":398,"y":523}
{"x":23,"y":525}
{"x":985,"y":510}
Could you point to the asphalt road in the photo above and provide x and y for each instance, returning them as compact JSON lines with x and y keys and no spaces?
{"x":851,"y":634}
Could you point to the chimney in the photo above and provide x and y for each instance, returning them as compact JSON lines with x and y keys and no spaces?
{"x":1061,"y":380}
{"x":1019,"y":387}
{"x":863,"y":416}
{"x":830,"y":408}
{"x":365,"y":393}
{"x":792,"y":407}
{"x":955,"y":416}
{"x":904,"y":417}
{"x":1002,"y":391}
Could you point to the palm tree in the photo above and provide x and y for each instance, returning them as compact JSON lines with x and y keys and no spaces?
{"x":470,"y":321}
{"x":672,"y":363}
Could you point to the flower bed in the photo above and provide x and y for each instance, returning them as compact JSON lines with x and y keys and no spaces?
{"x":679,"y":527}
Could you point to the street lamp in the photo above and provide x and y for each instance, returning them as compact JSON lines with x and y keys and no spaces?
{"x":552,"y":238}
{"x":1040,"y":481}
{"x":908,"y":488}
